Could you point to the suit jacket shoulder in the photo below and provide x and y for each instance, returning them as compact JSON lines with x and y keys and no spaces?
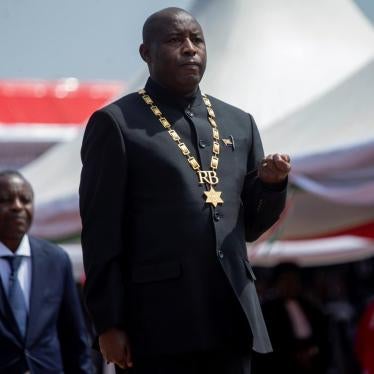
{"x":125,"y":103}
{"x":226,"y":107}
{"x":56,"y":326}
{"x":51,"y":250}
{"x":114,"y":116}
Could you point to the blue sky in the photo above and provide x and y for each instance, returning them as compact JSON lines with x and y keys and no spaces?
{"x":87,"y":39}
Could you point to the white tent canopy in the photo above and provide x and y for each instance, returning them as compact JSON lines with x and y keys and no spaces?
{"x":344,"y":176}
{"x":334,"y":193}
{"x":311,"y":252}
{"x":339,"y":118}
{"x":273,"y":57}
{"x":55,"y":179}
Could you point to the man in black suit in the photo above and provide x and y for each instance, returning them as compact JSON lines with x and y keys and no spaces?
{"x":172,"y":184}
{"x":41,"y":325}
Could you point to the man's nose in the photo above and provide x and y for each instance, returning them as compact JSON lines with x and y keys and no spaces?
{"x":188,"y":47}
{"x":17,"y":204}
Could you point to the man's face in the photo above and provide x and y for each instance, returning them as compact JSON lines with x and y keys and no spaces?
{"x":176,"y":55}
{"x":16,"y":208}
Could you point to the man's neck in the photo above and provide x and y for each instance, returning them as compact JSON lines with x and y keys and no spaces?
{"x":163,"y":95}
{"x":189,"y":95}
{"x":12,"y":244}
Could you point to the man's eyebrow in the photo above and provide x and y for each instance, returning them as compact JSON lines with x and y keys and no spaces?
{"x":174,"y":32}
{"x":182,"y":32}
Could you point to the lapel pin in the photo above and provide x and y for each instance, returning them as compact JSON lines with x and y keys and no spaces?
{"x":229,"y":142}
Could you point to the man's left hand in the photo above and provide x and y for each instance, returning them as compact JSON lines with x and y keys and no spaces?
{"x":274,"y":168}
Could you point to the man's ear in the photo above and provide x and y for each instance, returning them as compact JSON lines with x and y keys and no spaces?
{"x":144,"y":53}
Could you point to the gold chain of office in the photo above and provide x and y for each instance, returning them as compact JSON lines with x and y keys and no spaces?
{"x":206,"y":177}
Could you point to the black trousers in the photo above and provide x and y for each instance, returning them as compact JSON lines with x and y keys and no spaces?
{"x":201,"y":363}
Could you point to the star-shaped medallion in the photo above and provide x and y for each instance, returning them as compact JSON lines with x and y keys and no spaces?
{"x":213,"y":197}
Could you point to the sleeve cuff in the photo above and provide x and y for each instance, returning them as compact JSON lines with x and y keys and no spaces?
{"x":275,"y":187}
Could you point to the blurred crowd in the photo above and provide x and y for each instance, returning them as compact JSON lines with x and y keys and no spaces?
{"x":320,"y":319}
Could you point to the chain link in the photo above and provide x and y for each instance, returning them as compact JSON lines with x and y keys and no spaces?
{"x":177,"y":139}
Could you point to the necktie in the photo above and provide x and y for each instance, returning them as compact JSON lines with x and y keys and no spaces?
{"x":16,"y":297}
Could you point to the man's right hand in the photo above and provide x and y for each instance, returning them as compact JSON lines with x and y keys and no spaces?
{"x":115,"y":347}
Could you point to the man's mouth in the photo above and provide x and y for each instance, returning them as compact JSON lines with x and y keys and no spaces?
{"x":190,"y":64}
{"x":19,"y":219}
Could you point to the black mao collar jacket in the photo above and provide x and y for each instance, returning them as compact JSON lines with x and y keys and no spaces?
{"x":161,"y":262}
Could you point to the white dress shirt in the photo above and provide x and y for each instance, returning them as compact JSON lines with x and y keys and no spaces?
{"x":24,"y":272}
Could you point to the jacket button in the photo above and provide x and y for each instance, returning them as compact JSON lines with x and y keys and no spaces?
{"x":216,"y":216}
{"x":189,"y":113}
{"x":203,"y":143}
{"x":220,"y":254}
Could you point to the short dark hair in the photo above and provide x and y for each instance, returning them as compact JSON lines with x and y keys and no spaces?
{"x":11,"y":173}
{"x":15,"y":173}
{"x":153,"y":21}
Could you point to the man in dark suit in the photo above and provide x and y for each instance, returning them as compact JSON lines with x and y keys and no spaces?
{"x":172,"y":184}
{"x":41,"y":325}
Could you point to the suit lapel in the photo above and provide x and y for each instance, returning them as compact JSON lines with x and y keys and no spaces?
{"x":38,"y":278}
